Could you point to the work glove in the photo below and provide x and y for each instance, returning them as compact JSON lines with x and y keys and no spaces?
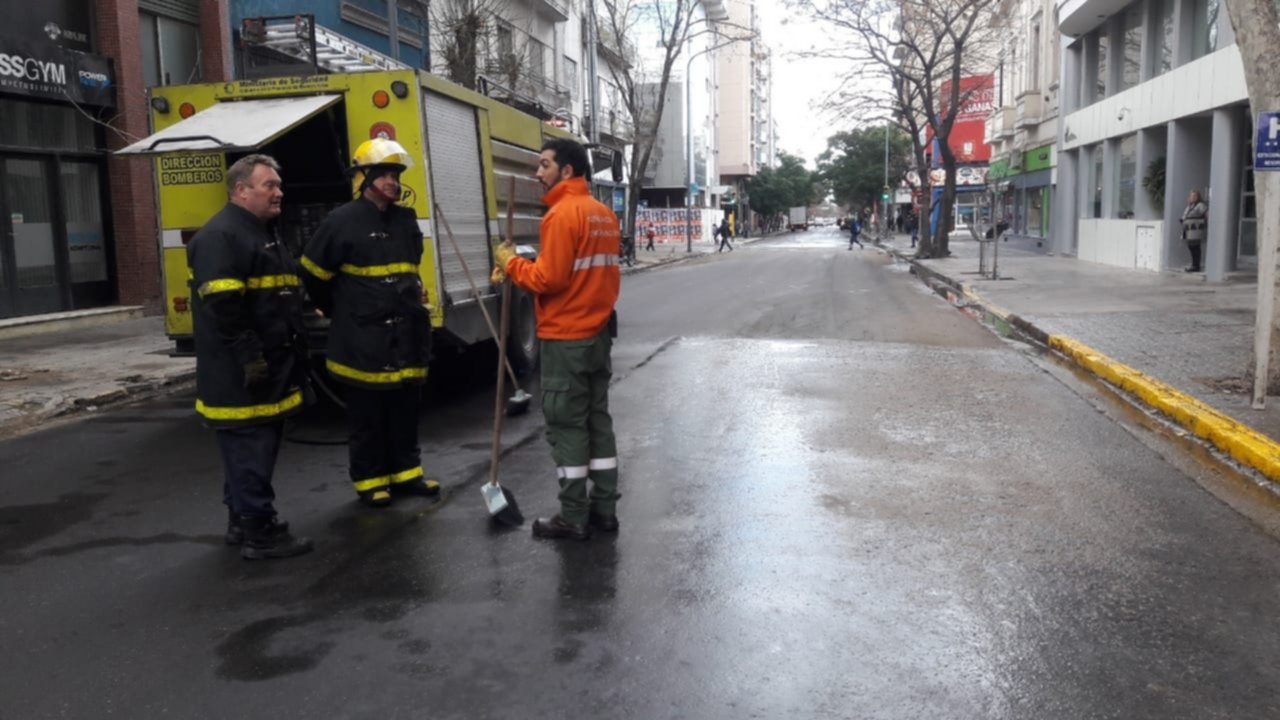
{"x":503,"y":254}
{"x":498,"y":276}
{"x":255,"y":371}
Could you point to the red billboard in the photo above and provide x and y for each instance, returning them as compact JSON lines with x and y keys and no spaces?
{"x":977,"y":101}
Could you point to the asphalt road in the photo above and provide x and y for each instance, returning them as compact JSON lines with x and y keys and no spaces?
{"x":842,"y":499}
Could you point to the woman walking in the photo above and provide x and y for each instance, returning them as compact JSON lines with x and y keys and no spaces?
{"x":1193,"y":227}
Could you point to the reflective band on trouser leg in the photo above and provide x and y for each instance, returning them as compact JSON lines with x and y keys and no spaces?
{"x":577,"y":472}
{"x":372,"y":483}
{"x":413,"y":475}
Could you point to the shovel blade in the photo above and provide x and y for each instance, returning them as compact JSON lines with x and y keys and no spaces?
{"x":494,"y":499}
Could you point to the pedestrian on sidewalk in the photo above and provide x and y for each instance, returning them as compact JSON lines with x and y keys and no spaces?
{"x":575,"y":282}
{"x":1194,"y":223}
{"x":723,"y":232}
{"x":855,"y":229}
{"x":251,"y":359}
{"x":649,"y":234}
{"x":362,"y":271}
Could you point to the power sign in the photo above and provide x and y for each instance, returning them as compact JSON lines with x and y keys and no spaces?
{"x":1266,"y":146}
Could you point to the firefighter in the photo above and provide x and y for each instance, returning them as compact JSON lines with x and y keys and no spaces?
{"x":362,"y":272}
{"x":575,"y":282}
{"x":250,"y":352}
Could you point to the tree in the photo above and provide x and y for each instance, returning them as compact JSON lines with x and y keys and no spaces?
{"x":1257,"y":27}
{"x":471,"y":39}
{"x":644,"y":79}
{"x":774,"y":190}
{"x":907,"y":64}
{"x":853,"y":163}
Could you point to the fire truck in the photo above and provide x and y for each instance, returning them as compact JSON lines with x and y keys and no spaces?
{"x":470,"y":148}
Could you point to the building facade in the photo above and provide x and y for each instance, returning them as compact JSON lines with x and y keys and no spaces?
{"x":745,"y":125}
{"x":1023,"y":129}
{"x":1154,"y":105}
{"x":78,"y":225}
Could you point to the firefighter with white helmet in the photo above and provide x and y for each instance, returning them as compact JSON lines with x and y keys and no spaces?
{"x":362,"y":272}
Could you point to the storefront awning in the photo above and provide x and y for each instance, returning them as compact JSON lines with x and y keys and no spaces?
{"x":228,"y":126}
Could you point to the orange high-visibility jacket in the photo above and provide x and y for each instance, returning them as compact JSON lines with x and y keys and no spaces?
{"x":575,"y":279}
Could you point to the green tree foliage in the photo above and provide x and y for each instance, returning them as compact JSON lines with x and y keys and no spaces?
{"x":852,"y":166}
{"x":774,"y":190}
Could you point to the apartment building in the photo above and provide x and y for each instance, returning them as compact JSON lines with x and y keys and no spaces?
{"x":745,"y":124}
{"x":1023,"y":129}
{"x":1154,"y":105}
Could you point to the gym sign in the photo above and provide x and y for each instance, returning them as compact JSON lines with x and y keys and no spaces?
{"x":49,"y":72}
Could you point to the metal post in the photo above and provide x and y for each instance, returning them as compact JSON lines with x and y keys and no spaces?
{"x":688,"y":148}
{"x":593,"y":72}
{"x":884,"y":219}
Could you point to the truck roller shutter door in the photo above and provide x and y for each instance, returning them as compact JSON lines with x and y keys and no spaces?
{"x":458,"y":188}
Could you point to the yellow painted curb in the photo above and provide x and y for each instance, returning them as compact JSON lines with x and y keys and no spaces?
{"x":1246,"y":445}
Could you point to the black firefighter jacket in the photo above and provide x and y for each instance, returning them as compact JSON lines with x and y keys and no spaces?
{"x":362,"y":271}
{"x":246,"y":300}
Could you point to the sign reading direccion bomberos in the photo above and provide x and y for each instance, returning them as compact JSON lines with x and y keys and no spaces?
{"x":200,"y":169}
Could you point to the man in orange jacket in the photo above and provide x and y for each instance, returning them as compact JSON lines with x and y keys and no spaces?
{"x":575,"y":283}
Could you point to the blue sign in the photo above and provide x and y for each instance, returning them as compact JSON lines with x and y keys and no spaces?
{"x":693,"y":188}
{"x":1266,"y":146}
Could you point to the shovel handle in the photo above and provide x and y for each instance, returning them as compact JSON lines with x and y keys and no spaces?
{"x":498,"y":414}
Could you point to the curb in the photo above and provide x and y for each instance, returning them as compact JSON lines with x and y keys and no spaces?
{"x":1241,"y":442}
{"x":95,"y":400}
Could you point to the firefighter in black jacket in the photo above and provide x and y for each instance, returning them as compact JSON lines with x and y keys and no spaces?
{"x":250,"y":360}
{"x":362,"y":271}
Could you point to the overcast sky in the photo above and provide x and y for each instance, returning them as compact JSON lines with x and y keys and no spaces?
{"x":798,"y":84}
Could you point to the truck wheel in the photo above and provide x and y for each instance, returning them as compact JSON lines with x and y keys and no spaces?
{"x":522,"y":344}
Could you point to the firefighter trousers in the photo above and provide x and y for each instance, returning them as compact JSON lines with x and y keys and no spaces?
{"x":575,"y":403}
{"x":248,"y":462}
{"x":383,"y":426}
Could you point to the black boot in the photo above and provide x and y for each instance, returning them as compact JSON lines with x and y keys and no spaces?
{"x":235,"y":532}
{"x":263,"y":541}
{"x":556,"y":528}
{"x":603,"y":523}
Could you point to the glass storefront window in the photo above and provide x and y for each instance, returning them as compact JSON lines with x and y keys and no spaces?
{"x":1126,"y":188}
{"x":27,"y":200}
{"x":1130,"y":69}
{"x":83,"y":209}
{"x":1204,"y":27}
{"x":48,"y":127}
{"x":170,"y":50}
{"x":1100,"y":82}
{"x":1035,"y":212}
{"x":1164,"y":58}
{"x":1095,"y":180}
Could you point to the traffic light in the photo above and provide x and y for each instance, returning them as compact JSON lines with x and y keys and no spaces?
{"x":885,"y":195}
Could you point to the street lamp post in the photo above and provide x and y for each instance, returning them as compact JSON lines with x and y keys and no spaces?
{"x":884,"y":220}
{"x":688,"y":166}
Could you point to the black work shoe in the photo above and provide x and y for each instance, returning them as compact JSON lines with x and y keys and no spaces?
{"x":603,"y":523}
{"x":556,"y":528}
{"x":235,"y":532}
{"x":379,"y":498}
{"x":424,"y":487}
{"x":262,"y":541}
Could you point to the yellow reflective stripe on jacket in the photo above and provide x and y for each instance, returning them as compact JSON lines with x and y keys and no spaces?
{"x":407,"y":475}
{"x":390,"y":376}
{"x":372,"y":483}
{"x":315,"y":269}
{"x":221,"y":285}
{"x":250,"y":412}
{"x":268,"y":282}
{"x":379,"y":270}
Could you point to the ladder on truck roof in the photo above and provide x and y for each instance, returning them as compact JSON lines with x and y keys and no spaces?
{"x":292,"y":44}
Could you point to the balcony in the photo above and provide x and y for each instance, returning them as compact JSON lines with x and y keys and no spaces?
{"x":553,"y":10}
{"x":1029,"y":109}
{"x":991,"y":128}
{"x":1008,"y":120}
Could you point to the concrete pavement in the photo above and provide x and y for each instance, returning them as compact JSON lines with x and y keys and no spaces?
{"x":1173,"y":342}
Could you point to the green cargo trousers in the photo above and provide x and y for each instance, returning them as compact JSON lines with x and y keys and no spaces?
{"x":575,"y":403}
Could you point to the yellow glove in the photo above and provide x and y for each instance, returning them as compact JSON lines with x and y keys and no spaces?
{"x":498,"y":276}
{"x":503,"y":254}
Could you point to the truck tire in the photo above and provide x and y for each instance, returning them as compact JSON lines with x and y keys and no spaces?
{"x":522,"y":343}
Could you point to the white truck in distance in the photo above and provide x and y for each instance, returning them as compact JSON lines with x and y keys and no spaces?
{"x":799,"y":218}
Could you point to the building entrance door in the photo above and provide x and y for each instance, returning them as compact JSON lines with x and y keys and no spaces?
{"x":32,"y":260}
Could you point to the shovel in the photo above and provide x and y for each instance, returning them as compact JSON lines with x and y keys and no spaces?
{"x":501,"y":503}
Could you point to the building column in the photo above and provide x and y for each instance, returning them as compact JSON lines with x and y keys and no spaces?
{"x":133,"y":207}
{"x":215,"y":41}
{"x":1066,"y":206}
{"x":1152,"y":32}
{"x":1183,"y":31}
{"x":1224,"y":200}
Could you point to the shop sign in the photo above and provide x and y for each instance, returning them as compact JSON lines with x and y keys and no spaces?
{"x":1266,"y":146}
{"x":1040,"y":158}
{"x":66,"y":23}
{"x":41,"y":70}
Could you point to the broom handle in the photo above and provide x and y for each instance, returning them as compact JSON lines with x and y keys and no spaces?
{"x":475,"y":291}
{"x":497,"y":396}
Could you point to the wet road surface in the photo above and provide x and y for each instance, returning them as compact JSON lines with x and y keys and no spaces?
{"x":842,"y":499}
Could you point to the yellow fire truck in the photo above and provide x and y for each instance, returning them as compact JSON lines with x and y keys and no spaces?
{"x":470,"y":146}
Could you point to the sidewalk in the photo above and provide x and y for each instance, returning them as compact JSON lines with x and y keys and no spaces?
{"x":46,"y":376}
{"x":1170,"y":327}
